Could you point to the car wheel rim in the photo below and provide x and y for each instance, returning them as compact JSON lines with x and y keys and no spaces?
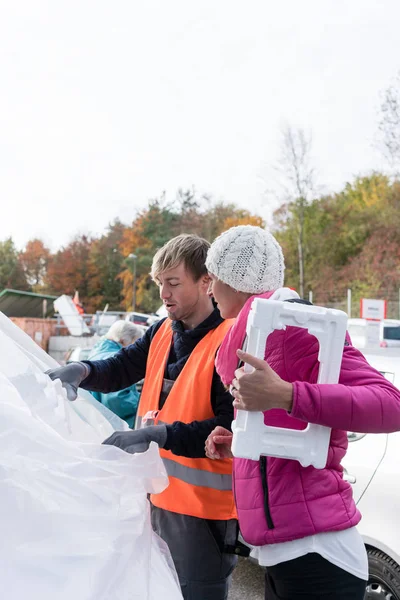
{"x":378,"y":590}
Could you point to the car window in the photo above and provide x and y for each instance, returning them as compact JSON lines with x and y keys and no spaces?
{"x":391,"y":333}
{"x":138,"y":319}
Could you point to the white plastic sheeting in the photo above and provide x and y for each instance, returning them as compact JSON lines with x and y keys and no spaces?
{"x":74,"y":515}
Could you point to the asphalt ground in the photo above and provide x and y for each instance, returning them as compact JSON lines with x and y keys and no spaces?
{"x":247,"y":581}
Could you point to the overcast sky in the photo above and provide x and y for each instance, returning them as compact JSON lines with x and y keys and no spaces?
{"x":106,"y":104}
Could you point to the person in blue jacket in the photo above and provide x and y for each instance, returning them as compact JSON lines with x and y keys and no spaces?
{"x":124,"y":402}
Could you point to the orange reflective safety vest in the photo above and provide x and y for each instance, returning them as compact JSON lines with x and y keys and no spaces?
{"x":199,"y":487}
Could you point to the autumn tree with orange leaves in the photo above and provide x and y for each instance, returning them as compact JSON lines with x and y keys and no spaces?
{"x":69,"y":270}
{"x":34,"y":260}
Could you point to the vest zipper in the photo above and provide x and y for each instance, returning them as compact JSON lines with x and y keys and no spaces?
{"x":264,"y":481}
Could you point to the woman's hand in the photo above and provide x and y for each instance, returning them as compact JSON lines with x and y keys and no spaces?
{"x":262,"y":389}
{"x":218,"y":443}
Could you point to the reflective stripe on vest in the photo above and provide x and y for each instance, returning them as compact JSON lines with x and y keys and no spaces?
{"x":198,"y":487}
{"x":215,"y":481}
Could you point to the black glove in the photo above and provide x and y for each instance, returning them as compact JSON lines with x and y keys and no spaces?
{"x":138,"y":440}
{"x":71,"y":376}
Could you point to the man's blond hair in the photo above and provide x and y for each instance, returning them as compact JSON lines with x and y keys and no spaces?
{"x":189,"y":249}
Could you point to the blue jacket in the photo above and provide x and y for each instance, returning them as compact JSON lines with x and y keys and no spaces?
{"x":124,"y":402}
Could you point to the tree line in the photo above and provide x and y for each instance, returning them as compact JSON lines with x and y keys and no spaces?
{"x":349,"y":239}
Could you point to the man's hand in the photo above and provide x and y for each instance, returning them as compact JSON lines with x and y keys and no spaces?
{"x":262,"y":389}
{"x":218,"y":443}
{"x":138,"y":440}
{"x":71,"y":376}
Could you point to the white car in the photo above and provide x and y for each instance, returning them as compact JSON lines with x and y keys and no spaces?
{"x":364,"y":333}
{"x":372,"y":466}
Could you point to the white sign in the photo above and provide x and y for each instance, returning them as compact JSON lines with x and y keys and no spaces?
{"x":373,"y":309}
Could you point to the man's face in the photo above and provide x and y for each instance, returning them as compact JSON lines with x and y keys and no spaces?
{"x":181,"y":295}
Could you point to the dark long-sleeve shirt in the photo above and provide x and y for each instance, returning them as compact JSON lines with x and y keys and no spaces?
{"x":128,"y":366}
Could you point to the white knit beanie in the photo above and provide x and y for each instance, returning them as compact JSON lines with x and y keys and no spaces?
{"x":248,"y":259}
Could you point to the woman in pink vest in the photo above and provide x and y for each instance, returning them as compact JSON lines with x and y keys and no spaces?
{"x":301,"y":521}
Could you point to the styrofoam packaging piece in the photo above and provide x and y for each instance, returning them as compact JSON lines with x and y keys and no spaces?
{"x":70,"y":315}
{"x":251,"y":437}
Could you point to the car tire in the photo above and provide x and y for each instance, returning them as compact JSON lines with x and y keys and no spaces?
{"x":384,"y":577}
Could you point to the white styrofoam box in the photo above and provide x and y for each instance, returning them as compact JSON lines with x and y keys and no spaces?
{"x":251,"y":437}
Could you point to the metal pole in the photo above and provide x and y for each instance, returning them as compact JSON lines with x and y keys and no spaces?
{"x":134,"y":258}
{"x":349,"y":303}
{"x":134,"y":285}
{"x":310,"y":296}
{"x":44,"y":308}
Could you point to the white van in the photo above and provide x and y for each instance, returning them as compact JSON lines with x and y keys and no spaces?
{"x":389,"y":333}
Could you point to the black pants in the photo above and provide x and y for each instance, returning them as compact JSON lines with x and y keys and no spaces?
{"x":196,"y":546}
{"x":311,"y":576}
